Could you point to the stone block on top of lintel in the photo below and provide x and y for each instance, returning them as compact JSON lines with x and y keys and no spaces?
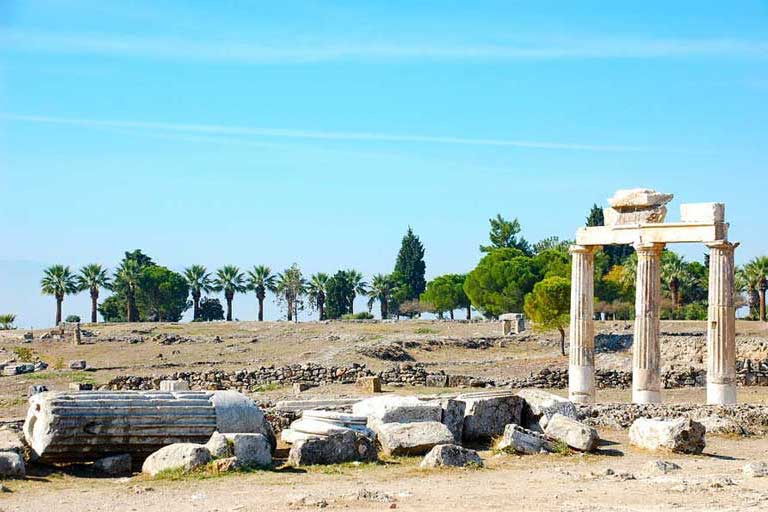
{"x":709,"y":213}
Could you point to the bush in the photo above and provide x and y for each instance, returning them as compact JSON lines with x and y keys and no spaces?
{"x":358,"y":316}
{"x":695,"y":311}
{"x":72,"y":319}
{"x":24,"y":354}
{"x":210,"y":310}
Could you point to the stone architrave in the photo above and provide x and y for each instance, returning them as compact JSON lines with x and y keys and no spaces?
{"x":721,"y":325}
{"x":581,"y":364}
{"x":646,"y":352}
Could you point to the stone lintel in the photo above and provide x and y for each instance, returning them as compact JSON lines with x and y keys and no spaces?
{"x":672,"y":232}
{"x":584,"y":248}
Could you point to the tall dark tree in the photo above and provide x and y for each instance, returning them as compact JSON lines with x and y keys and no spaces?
{"x":93,"y":277}
{"x":163,"y":294}
{"x":359,"y":287}
{"x":617,"y":254}
{"x":410,"y":267}
{"x":316,"y":291}
{"x":381,"y":289}
{"x":230,"y":280}
{"x":58,"y":280}
{"x":260,"y":280}
{"x":503,"y":235}
{"x":199,"y":281}
{"x":338,"y":290}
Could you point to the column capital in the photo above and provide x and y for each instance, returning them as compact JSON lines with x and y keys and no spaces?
{"x":653,"y":248}
{"x":724,"y":245}
{"x":584,"y":249}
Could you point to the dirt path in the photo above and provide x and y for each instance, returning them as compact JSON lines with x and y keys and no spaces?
{"x":713,"y":481}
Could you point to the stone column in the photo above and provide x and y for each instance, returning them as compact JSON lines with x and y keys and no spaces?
{"x":581,"y":365}
{"x":646,"y":353}
{"x":721,"y":325}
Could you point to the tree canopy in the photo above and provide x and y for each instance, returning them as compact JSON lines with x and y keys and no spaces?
{"x":503,"y":235}
{"x":548,"y":306}
{"x":446,"y":293}
{"x":410,"y":267}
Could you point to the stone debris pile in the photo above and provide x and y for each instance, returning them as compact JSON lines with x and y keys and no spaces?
{"x":318,"y":423}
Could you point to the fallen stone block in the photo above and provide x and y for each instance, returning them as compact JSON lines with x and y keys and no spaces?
{"x":251,"y":450}
{"x":184,"y":456}
{"x":573,"y":433}
{"x":451,"y":455}
{"x":453,"y":417}
{"x":755,"y":469}
{"x":397,"y":409}
{"x":347,"y":446}
{"x":174,"y":385}
{"x":412,"y":438}
{"x":80,"y":386}
{"x":114,"y":465}
{"x":680,"y":435}
{"x":487,"y":414}
{"x":11,"y":442}
{"x":12,"y":465}
{"x":78,"y":364}
{"x":522,"y":440}
{"x":369,"y":384}
{"x":219,"y":446}
{"x":541,"y":405}
{"x":225,"y":464}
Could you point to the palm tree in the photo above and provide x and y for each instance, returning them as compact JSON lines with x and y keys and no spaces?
{"x":6,"y":321}
{"x":748,"y":281}
{"x":261,"y":279}
{"x":126,"y":279}
{"x":760,"y":267}
{"x":290,"y":286}
{"x":381,"y":289}
{"x":230,"y":280}
{"x":676,"y":275}
{"x":359,"y":287}
{"x":93,"y":277}
{"x":316,"y":290}
{"x":199,"y":281}
{"x":58,"y":281}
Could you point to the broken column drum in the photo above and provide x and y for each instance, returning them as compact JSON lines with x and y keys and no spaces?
{"x":637,"y":217}
{"x":84,"y":426}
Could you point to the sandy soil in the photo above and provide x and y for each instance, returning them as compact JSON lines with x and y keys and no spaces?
{"x":712,"y":481}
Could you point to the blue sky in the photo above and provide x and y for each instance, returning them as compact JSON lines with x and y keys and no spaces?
{"x":316,"y":132}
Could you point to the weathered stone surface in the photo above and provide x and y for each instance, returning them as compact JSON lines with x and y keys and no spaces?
{"x":663,"y":467}
{"x":721,"y":425}
{"x":225,"y":464}
{"x":755,"y":469}
{"x":573,"y":433}
{"x":11,"y":465}
{"x":486,"y":414}
{"x":347,"y":446}
{"x":653,"y":215}
{"x":412,"y":438}
{"x":174,"y":385}
{"x":369,"y":384}
{"x":512,"y":323}
{"x":397,"y":409}
{"x":114,"y":465}
{"x":251,"y":450}
{"x":541,"y":405}
{"x":185,"y":456}
{"x":80,"y":386}
{"x":679,"y":435}
{"x":453,"y":417}
{"x":522,"y":440}
{"x":219,"y":446}
{"x":637,"y":198}
{"x":706,"y":213}
{"x":451,"y":455}
{"x":36,"y":388}
{"x":10,"y":441}
{"x":77,"y":364}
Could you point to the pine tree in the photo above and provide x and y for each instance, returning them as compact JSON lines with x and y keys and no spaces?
{"x":616,"y":253}
{"x":410,"y":267}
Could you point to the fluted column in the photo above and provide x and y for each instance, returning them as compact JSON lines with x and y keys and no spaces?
{"x":646,"y":352}
{"x":581,"y":365}
{"x":721,"y":325}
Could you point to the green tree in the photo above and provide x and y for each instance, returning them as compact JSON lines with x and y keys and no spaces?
{"x":163,"y":294}
{"x":446,"y":293}
{"x":760,"y":267}
{"x":230,"y":280}
{"x":748,"y":281}
{"x":381,"y":289}
{"x":548,"y":306}
{"x":93,"y":278}
{"x":6,"y":321}
{"x":500,"y":281}
{"x":552,"y":242}
{"x":503,"y":235}
{"x":210,"y":310}
{"x":58,"y":281}
{"x":617,"y":254}
{"x":290,"y":287}
{"x":410,"y":267}
{"x":126,"y":284}
{"x":199,"y":281}
{"x":316,"y":290}
{"x":339,"y":290}
{"x":359,"y":287}
{"x":260,"y":280}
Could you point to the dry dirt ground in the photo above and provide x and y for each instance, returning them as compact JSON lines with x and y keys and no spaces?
{"x":712,"y":481}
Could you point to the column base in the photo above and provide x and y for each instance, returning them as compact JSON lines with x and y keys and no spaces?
{"x":645,"y":396}
{"x":721,"y":394}
{"x":581,"y":384}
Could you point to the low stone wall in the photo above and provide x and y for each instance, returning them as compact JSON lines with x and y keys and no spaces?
{"x":750,"y":373}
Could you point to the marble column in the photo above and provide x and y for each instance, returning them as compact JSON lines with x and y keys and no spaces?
{"x":721,"y":325}
{"x":581,"y":365}
{"x":646,"y":353}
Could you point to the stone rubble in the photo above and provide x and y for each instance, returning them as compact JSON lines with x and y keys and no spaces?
{"x":349,"y":446}
{"x":451,"y":455}
{"x":680,"y":435}
{"x":573,"y":433}
{"x":184,"y":456}
{"x":524,"y":441}
{"x":412,"y":438}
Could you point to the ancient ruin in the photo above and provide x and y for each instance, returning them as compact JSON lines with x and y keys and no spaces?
{"x":637,"y":217}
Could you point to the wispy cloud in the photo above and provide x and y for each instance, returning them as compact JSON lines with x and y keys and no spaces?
{"x":246,"y":131}
{"x":250,"y":52}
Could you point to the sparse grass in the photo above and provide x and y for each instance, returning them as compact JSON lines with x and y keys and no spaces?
{"x":264,"y":388}
{"x":74,"y":376}
{"x":425,"y":330}
{"x":24,"y":354}
{"x":344,"y":467}
{"x":205,"y":472}
{"x":562,"y":449}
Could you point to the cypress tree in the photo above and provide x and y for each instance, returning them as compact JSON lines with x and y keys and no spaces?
{"x":410,"y":266}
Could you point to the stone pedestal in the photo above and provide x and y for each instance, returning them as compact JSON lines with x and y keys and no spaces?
{"x":581,"y":364}
{"x":721,"y":325}
{"x":646,"y":360}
